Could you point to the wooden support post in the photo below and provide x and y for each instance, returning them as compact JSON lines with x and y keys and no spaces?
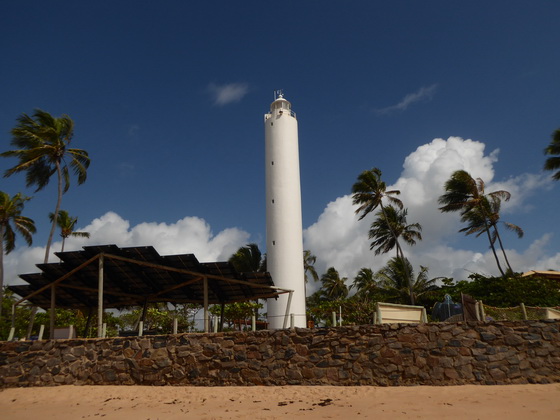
{"x":222,"y":312}
{"x":31,"y":322}
{"x":288,"y":307}
{"x":52,"y":313}
{"x":13,"y":325}
{"x":175,"y":325}
{"x":140,"y":328}
{"x":100,"y":298}
{"x":524,"y":310}
{"x":206,"y":320}
{"x":41,"y":332}
{"x":253,"y":323}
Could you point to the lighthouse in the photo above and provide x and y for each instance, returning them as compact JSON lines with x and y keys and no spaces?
{"x":284,"y":238}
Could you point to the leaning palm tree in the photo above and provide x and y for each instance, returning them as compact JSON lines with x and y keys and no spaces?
{"x":393,"y":278}
{"x":333,"y":286}
{"x":42,"y":147}
{"x":11,"y":221}
{"x":477,"y":222}
{"x":388,"y":227}
{"x":466,"y":195}
{"x":553,"y":149}
{"x":67,"y":223}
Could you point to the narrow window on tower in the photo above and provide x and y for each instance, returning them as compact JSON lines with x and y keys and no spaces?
{"x":272,"y":163}
{"x":273,"y":242}
{"x":273,"y":201}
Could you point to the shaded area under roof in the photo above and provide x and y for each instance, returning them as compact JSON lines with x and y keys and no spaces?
{"x":136,"y":275}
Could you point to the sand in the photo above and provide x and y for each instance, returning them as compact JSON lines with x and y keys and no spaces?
{"x":320,"y":402}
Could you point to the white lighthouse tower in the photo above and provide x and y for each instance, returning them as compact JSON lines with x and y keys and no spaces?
{"x":284,"y":239}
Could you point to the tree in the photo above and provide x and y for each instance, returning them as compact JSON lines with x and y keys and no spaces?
{"x":333,"y":286}
{"x":368,"y":193}
{"x":553,"y":149}
{"x":391,"y":225}
{"x":66,"y":223}
{"x":247,"y":259}
{"x":309,"y":267}
{"x":365,"y":283}
{"x":11,"y":221}
{"x":477,"y":223}
{"x":42,"y":147}
{"x":466,"y":195}
{"x":509,"y":291}
{"x":393,"y":278}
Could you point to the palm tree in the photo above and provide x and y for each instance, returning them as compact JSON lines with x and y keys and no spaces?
{"x":369,"y":192}
{"x":389,"y":226}
{"x":553,"y":149}
{"x":247,"y":259}
{"x":11,"y":221}
{"x":394,"y":279}
{"x":477,"y":223}
{"x":466,"y":195}
{"x":42,"y":147}
{"x":334,"y":287}
{"x":66,"y":223}
{"x":364,"y":282}
{"x":309,"y":261}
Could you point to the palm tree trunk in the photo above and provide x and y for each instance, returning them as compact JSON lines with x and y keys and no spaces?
{"x":494,"y":251}
{"x":502,"y":247}
{"x":57,"y":209}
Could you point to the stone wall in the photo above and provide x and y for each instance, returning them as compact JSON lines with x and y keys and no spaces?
{"x":398,"y":354}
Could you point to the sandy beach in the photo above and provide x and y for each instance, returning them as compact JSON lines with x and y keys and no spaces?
{"x":320,"y":402}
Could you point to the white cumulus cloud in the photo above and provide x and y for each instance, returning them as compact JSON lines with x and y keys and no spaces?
{"x":190,"y":235}
{"x":338,"y":239}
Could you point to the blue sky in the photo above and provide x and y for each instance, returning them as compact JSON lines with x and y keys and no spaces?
{"x":169,"y":99}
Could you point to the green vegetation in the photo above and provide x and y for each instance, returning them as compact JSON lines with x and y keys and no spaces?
{"x":11,"y":221}
{"x":67,"y":224}
{"x":553,"y":150}
{"x":480,"y":211}
{"x":42,"y":149}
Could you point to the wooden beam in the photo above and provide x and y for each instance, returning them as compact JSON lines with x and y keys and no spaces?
{"x":60,"y":279}
{"x":205,"y":287}
{"x":100,"y":298}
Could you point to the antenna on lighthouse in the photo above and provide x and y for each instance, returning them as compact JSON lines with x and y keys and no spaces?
{"x":278,"y":94}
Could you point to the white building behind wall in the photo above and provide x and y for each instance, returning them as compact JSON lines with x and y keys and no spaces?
{"x":284,"y":238}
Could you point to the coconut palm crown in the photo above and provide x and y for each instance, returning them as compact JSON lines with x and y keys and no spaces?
{"x":67,"y":223}
{"x":41,"y":144}
{"x":553,"y":149}
{"x":11,"y":221}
